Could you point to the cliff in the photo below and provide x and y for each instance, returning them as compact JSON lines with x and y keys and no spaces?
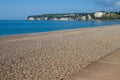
{"x":101,"y":15}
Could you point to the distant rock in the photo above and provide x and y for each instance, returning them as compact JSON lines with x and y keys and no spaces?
{"x":101,"y":15}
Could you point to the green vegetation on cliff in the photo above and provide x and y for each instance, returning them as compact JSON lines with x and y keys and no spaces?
{"x":101,"y":15}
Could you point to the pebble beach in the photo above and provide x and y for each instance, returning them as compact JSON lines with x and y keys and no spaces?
{"x":55,"y":55}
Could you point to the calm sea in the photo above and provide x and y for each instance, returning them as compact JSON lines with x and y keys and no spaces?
{"x":11,"y":27}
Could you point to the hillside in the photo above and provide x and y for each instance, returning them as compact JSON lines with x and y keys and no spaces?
{"x":101,"y":15}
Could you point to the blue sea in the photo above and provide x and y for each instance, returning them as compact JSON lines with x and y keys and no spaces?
{"x":13,"y":27}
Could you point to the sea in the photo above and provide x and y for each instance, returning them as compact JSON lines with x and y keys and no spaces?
{"x":13,"y":27}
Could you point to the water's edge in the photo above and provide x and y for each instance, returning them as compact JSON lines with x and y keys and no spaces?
{"x":28,"y":27}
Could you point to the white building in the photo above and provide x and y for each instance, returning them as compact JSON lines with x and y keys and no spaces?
{"x":99,"y":14}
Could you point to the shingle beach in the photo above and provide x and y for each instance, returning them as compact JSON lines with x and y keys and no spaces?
{"x":55,"y":55}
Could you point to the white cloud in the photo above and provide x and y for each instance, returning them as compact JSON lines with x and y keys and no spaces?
{"x":108,"y":5}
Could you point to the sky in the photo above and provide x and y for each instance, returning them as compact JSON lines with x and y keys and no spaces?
{"x":20,"y":9}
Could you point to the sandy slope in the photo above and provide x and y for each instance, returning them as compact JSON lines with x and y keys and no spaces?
{"x":54,"y":55}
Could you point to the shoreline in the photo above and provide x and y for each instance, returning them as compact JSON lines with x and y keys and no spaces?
{"x":55,"y":31}
{"x":55,"y":55}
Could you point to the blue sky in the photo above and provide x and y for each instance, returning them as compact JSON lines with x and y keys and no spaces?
{"x":20,"y":9}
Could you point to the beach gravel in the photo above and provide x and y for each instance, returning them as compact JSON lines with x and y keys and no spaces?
{"x":55,"y":55}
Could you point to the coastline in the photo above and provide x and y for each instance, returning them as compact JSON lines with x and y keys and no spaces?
{"x":8,"y":30}
{"x":56,"y":31}
{"x":55,"y":55}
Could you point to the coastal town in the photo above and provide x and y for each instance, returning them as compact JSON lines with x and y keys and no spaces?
{"x":100,"y":15}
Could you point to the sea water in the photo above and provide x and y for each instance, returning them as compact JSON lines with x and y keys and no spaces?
{"x":13,"y":27}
